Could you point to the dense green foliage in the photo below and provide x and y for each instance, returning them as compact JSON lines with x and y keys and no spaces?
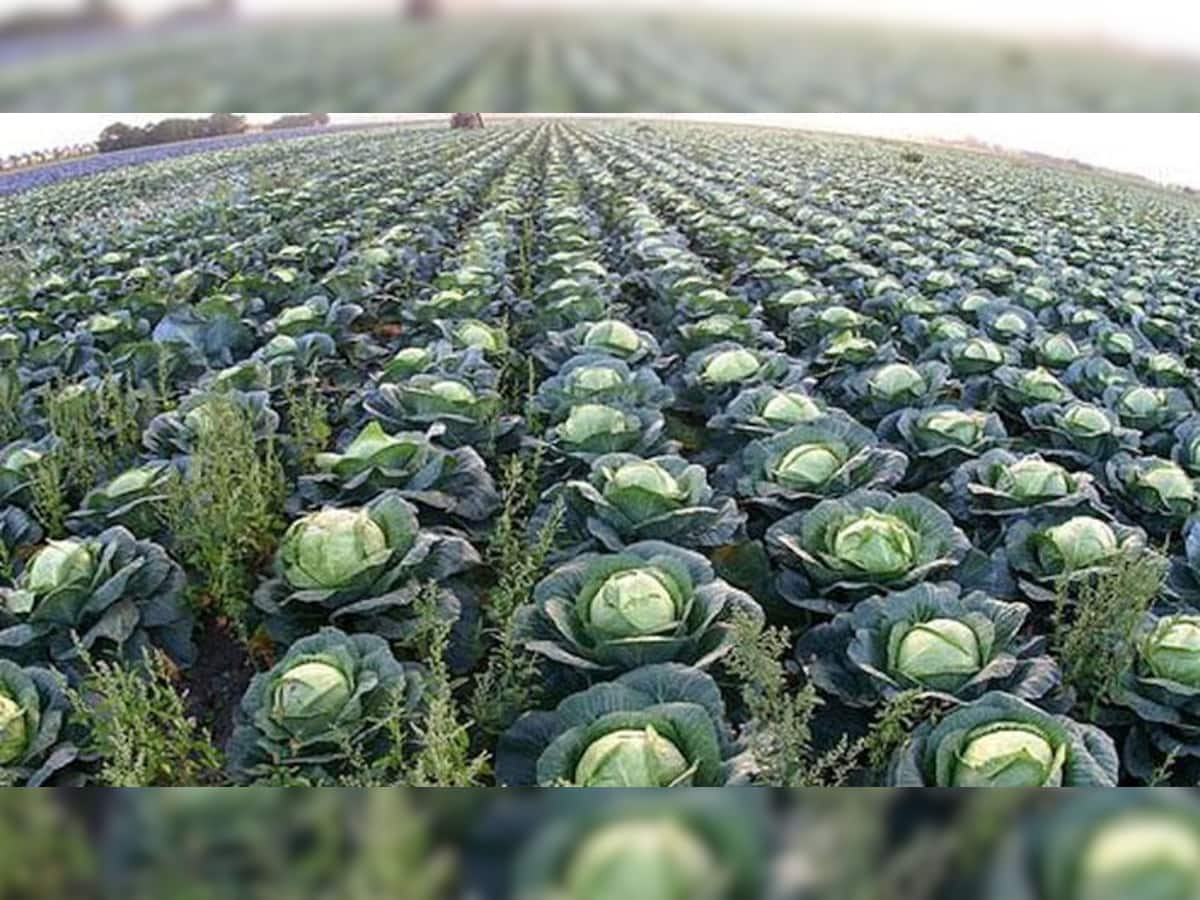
{"x":599,"y":453}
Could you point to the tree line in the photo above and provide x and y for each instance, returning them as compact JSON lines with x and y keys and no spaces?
{"x":123,"y":136}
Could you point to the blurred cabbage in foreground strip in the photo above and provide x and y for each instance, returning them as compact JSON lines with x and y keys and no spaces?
{"x":581,"y":62}
{"x":263,"y":844}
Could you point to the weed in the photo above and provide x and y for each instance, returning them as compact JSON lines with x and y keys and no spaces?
{"x":137,"y":725}
{"x":1164,"y":771}
{"x":779,"y":734}
{"x":443,"y":756}
{"x":164,"y":379}
{"x":308,"y":417}
{"x":508,"y":684}
{"x":97,"y":431}
{"x":893,"y":725}
{"x":47,"y":485}
{"x":1094,"y":624}
{"x":428,"y":748}
{"x":779,"y":730}
{"x":11,"y":426}
{"x":226,"y":511}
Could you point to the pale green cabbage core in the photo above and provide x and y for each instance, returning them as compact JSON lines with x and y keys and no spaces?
{"x":731,"y":365}
{"x":806,"y":466}
{"x":876,"y":543}
{"x":1140,"y":856}
{"x":897,"y":378}
{"x":1035,"y":479}
{"x":1087,"y":421}
{"x":1173,"y":651}
{"x":644,"y":860}
{"x":789,"y":408}
{"x":1006,"y":755}
{"x":14,"y":735}
{"x":961,"y":427}
{"x":1083,"y":541}
{"x":330,"y":548}
{"x":59,"y":563}
{"x":632,"y":758}
{"x":594,"y":379}
{"x":633,"y":603}
{"x":312,"y":693}
{"x":612,"y":335}
{"x":646,"y":476}
{"x":452,"y":392}
{"x":938,"y":648}
{"x":590,"y":420}
{"x":1170,"y":483}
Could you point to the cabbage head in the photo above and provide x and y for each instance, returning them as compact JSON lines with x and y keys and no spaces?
{"x":651,"y":603}
{"x":324,"y":703}
{"x":930,"y":637}
{"x":847,"y":548}
{"x":656,"y":726}
{"x":1000,"y":740}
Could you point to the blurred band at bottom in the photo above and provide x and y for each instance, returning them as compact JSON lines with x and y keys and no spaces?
{"x":265,"y":844}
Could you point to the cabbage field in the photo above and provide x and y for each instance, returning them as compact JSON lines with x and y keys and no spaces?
{"x":599,"y":453}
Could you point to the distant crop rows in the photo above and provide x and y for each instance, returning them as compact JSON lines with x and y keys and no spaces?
{"x":52,"y":173}
{"x":599,"y":454}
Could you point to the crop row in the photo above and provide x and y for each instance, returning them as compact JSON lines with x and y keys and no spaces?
{"x":606,"y":454}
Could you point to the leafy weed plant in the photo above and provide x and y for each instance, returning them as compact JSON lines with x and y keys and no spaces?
{"x":137,"y":725}
{"x":227,"y":510}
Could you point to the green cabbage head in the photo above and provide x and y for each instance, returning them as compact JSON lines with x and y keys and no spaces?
{"x":595,"y":379}
{"x":1172,"y":650}
{"x":327,"y":550}
{"x":896,"y":380}
{"x":371,"y":447}
{"x":644,"y":488}
{"x":978,"y":354}
{"x":729,"y":366}
{"x":309,"y":696}
{"x":58,"y":564}
{"x":957,"y":426}
{"x":614,"y":336}
{"x":649,"y":860}
{"x":1085,"y":420}
{"x":790,"y":408}
{"x":1142,"y":402}
{"x":1077,"y":543}
{"x":807,"y":466}
{"x":14,"y":736}
{"x":1035,"y":479}
{"x":590,"y":420}
{"x":133,"y":480}
{"x":1140,"y":856}
{"x":877,"y":543}
{"x":942,"y":654}
{"x":1166,"y":485}
{"x":1009,"y":754}
{"x":633,"y":603}
{"x":632,"y":758}
{"x":1041,"y":385}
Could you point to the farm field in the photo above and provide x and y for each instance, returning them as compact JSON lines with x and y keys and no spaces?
{"x":585,"y":62}
{"x":602,"y":454}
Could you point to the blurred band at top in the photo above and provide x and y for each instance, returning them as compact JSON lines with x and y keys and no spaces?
{"x":581,"y":56}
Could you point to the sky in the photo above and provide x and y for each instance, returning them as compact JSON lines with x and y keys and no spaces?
{"x":1172,"y":25}
{"x":1162,"y":147}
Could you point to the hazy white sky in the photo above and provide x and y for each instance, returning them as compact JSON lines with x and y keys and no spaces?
{"x":1163,"y":147}
{"x":1164,"y":24}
